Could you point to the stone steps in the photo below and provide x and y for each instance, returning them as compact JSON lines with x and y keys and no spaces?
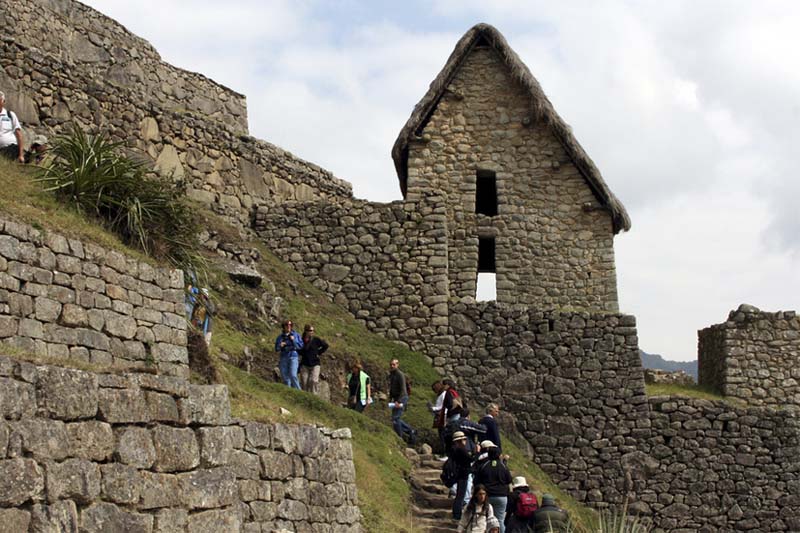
{"x":432,"y":509}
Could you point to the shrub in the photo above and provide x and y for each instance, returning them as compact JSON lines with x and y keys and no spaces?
{"x":151,"y":213}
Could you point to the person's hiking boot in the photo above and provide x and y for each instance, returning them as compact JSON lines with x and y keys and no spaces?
{"x":412,"y":437}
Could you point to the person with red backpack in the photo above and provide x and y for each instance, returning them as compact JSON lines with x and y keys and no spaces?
{"x":522,"y":503}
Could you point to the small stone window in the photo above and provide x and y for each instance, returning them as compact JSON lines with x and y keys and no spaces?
{"x":486,"y":193}
{"x":486,"y":261}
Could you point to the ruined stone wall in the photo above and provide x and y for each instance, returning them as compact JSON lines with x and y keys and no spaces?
{"x":69,"y":300}
{"x":385,"y":263}
{"x":149,"y":454}
{"x":551,"y":252}
{"x":753,"y":356}
{"x":98,"y":75}
{"x":713,"y":466}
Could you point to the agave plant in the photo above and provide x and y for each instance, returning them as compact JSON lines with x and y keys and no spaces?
{"x":91,"y":174}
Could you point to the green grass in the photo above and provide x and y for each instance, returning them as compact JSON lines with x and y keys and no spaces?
{"x":691,"y":391}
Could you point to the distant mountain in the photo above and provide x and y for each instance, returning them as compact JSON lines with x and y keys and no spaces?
{"x":653,"y":360}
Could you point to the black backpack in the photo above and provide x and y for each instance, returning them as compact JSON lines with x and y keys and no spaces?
{"x":449,"y":475}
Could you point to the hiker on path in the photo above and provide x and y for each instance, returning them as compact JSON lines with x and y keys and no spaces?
{"x":490,"y":422}
{"x":493,"y":473}
{"x":287,"y":344}
{"x":453,"y":403}
{"x":550,"y":518}
{"x":462,"y":457}
{"x":310,"y":367}
{"x":477,"y":513}
{"x":203,"y":314}
{"x":522,"y":504}
{"x":437,"y":409}
{"x":359,"y":393}
{"x":11,"y":141}
{"x":398,"y":396}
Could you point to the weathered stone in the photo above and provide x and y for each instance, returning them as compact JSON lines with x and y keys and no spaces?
{"x":120,"y":325}
{"x":17,"y":399}
{"x":171,"y":521}
{"x":275,"y":465}
{"x":243,"y":274}
{"x":46,"y":310}
{"x":159,"y":490}
{"x":135,"y":447}
{"x":21,"y":480}
{"x":209,"y":488}
{"x":75,"y":479}
{"x":42,"y":438}
{"x":216,"y":520}
{"x":105,"y":517}
{"x":161,"y":407}
{"x":67,"y":394}
{"x":119,"y":406}
{"x":59,"y":516}
{"x":120,"y":483}
{"x":176,"y":449}
{"x":91,"y":440}
{"x":14,"y":520}
{"x":205,"y":404}
{"x":217,"y":444}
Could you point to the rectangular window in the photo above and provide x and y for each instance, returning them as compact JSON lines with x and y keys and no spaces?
{"x":486,"y":193}
{"x":486,"y":261}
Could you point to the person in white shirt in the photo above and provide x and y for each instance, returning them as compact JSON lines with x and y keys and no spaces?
{"x":11,"y":142}
{"x":438,"y":414}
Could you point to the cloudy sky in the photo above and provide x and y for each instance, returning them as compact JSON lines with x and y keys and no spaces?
{"x":691,"y":110}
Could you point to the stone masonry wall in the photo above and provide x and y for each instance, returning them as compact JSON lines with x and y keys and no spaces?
{"x":753,"y":356}
{"x":100,"y":76}
{"x":554,"y":246}
{"x":69,"y":300}
{"x":386,"y":263}
{"x":150,"y":454}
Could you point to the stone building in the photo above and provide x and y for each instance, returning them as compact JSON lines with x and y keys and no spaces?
{"x":523,"y":198}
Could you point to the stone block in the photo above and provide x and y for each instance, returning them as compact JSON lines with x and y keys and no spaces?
{"x":209,"y":488}
{"x":67,"y":394}
{"x":21,"y":480}
{"x":217,"y":444}
{"x":57,"y":517}
{"x":46,"y":310}
{"x":42,"y":438}
{"x":159,"y":490}
{"x":120,"y":406}
{"x":120,"y":483}
{"x":74,"y":316}
{"x":14,"y":520}
{"x":8,"y":326}
{"x":257,"y":436}
{"x":93,"y":440}
{"x":245,"y":465}
{"x":215,"y":520}
{"x":264,"y":511}
{"x":176,"y":449}
{"x":293,"y":510}
{"x":171,"y":521}
{"x":304,"y":440}
{"x":275,"y":465}
{"x":163,"y":351}
{"x":206,"y":405}
{"x":161,"y":407}
{"x":135,"y":447}
{"x":17,"y":399}
{"x":106,"y":517}
{"x":73,"y":479}
{"x":120,"y":325}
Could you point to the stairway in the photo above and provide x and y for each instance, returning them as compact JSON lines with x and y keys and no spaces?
{"x":432,"y":507}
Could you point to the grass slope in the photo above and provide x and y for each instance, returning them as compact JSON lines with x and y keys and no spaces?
{"x":381,"y":466}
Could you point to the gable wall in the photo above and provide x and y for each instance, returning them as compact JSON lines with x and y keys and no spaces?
{"x":550,"y":252}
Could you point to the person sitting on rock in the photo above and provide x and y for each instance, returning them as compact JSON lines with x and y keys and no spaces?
{"x":549,"y":518}
{"x":310,"y":367}
{"x":359,"y":387}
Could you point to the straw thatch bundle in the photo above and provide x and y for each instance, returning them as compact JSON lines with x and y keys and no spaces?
{"x":541,"y":108}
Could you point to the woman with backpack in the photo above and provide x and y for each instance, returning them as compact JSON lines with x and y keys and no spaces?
{"x":477,"y":513}
{"x":522,"y":503}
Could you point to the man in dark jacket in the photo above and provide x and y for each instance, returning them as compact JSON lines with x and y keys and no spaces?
{"x":310,"y":367}
{"x":461,"y":455}
{"x":549,"y":517}
{"x":494,"y":474}
{"x":490,"y":422}
{"x":398,"y":398}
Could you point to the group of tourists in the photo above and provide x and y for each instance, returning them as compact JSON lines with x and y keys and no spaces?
{"x":475,"y":466}
{"x":12,"y":142}
{"x":301,"y":354}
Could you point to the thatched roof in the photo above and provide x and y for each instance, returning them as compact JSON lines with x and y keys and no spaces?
{"x":541,"y":109}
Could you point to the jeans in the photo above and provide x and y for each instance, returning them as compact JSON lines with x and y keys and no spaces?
{"x":461,"y":497}
{"x":400,"y":427}
{"x":499,"y":505}
{"x":288,"y":365}
{"x":309,"y":377}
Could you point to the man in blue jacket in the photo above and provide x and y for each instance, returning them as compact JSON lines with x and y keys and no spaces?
{"x":287,"y":344}
{"x":490,"y":421}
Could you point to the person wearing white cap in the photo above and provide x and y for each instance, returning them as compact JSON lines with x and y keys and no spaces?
{"x":522,"y":504}
{"x":493,"y":473}
{"x":493,"y":525}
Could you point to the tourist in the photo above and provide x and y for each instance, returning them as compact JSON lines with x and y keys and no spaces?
{"x":398,"y":400}
{"x":312,"y":348}
{"x":490,"y":422}
{"x":11,"y":141}
{"x":359,"y":388}
{"x":492,"y":473}
{"x":38,"y":150}
{"x":203,"y":314}
{"x":477,"y":513}
{"x":522,"y":504}
{"x":437,"y":409}
{"x":287,"y":344}
{"x":550,"y":518}
{"x":462,"y":457}
{"x":452,"y":403}
{"x":493,"y":525}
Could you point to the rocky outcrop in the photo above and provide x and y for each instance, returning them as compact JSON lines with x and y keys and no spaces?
{"x":144,"y":453}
